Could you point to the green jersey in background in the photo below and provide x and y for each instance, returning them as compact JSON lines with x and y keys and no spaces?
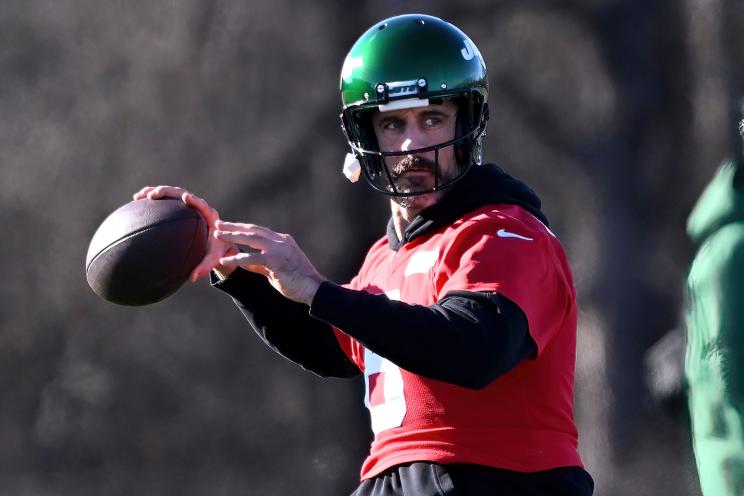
{"x":714,"y":362}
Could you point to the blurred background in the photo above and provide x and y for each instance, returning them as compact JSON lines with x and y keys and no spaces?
{"x":617,"y":113}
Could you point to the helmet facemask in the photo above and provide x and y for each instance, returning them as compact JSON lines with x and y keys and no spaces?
{"x":383,"y":169}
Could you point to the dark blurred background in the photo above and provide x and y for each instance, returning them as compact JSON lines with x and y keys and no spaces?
{"x":617,"y":112}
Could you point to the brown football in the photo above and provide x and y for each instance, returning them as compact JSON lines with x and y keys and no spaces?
{"x":145,"y":250}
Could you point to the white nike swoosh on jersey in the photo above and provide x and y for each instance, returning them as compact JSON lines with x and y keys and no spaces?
{"x":503,"y":233}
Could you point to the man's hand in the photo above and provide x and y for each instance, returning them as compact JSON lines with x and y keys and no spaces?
{"x":217,"y":248}
{"x":277,"y":257}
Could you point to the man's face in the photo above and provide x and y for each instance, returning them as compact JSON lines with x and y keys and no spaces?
{"x":410,"y":129}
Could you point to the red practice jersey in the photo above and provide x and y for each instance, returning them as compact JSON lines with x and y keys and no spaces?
{"x":521,"y":421}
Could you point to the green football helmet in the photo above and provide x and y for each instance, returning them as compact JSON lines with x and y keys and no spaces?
{"x":412,"y":61}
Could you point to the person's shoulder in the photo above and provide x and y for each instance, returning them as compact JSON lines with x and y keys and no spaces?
{"x":509,"y":240}
{"x":725,"y":247}
{"x":719,"y":262}
{"x":503,"y":220}
{"x":731,"y":234}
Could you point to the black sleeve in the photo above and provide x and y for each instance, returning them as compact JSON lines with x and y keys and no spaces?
{"x":286,"y":326}
{"x":467,"y":338}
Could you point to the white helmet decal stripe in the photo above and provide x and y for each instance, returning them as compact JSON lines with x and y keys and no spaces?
{"x":404,"y":104}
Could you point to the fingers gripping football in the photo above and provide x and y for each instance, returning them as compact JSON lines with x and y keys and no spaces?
{"x":217,"y":248}
{"x":275,"y":255}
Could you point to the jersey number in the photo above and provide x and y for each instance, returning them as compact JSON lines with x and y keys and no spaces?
{"x":383,"y":392}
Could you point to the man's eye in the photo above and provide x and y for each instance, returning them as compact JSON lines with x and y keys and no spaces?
{"x":432,"y":121}
{"x":392,"y":124}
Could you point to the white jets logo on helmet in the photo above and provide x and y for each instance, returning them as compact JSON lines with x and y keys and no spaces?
{"x":469,"y":51}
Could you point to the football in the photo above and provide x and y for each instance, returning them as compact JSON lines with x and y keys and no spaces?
{"x":145,"y":250}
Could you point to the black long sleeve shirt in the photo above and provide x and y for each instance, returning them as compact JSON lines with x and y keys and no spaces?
{"x":466,"y":338}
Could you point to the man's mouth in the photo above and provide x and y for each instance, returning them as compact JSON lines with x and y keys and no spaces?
{"x":415,"y":166}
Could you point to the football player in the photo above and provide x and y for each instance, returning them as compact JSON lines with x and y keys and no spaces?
{"x":462,"y":318}
{"x":714,"y":364}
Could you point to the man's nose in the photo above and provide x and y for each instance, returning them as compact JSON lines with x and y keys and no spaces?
{"x":414,"y":139}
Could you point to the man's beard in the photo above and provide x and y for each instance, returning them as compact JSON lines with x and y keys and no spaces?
{"x":417,"y":201}
{"x":415,"y":173}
